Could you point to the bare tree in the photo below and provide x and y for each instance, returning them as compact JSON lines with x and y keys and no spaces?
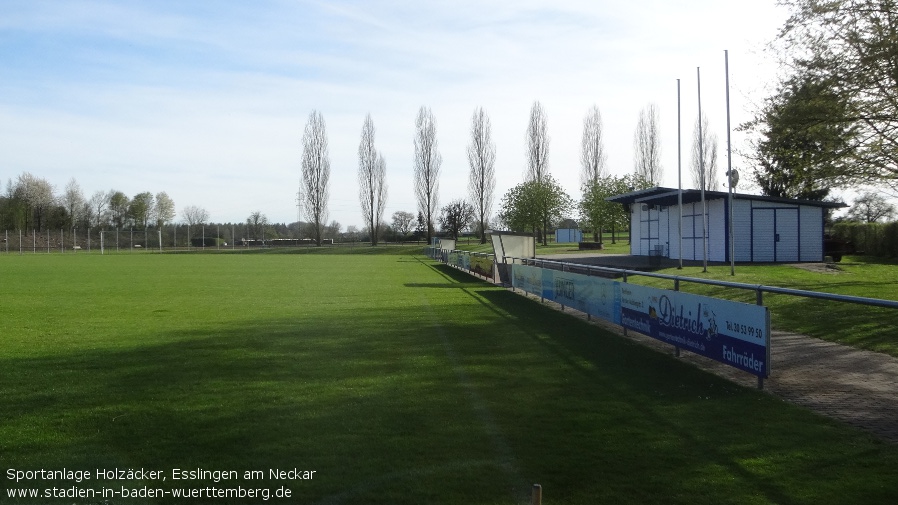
{"x":456,"y":216}
{"x":164,"y":210}
{"x":255,"y":225}
{"x":194,"y":215}
{"x":73,"y":200}
{"x":332,"y":230}
{"x":871,"y":207}
{"x":706,"y":152}
{"x":538,"y":157}
{"x":482,"y":158}
{"x":402,"y":222}
{"x":372,"y":180}
{"x":316,"y":169}
{"x":99,"y":203}
{"x":593,"y":158}
{"x":537,"y":144}
{"x":647,"y":145}
{"x":427,"y":167}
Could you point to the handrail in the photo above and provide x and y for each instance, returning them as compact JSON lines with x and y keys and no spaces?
{"x":758,"y":288}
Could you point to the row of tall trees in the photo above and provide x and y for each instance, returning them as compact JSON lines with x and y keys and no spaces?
{"x":31,"y":202}
{"x":481,"y":153}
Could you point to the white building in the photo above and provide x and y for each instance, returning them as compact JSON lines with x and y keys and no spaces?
{"x":766,"y":229}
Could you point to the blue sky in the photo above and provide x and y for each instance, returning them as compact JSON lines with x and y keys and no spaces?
{"x":207,"y":100}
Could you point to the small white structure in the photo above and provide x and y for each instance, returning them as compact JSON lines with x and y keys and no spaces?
{"x":508,"y":244}
{"x":766,"y":229}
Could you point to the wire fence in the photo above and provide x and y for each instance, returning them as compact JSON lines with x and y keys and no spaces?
{"x":119,"y":240}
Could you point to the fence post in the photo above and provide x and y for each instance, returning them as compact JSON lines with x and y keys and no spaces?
{"x":625,"y":281}
{"x":759,"y":299}
{"x":536,"y":495}
{"x":677,"y":288}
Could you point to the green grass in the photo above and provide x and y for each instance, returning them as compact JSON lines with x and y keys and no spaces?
{"x":859,"y":326}
{"x":396,"y":380}
{"x":621,"y":246}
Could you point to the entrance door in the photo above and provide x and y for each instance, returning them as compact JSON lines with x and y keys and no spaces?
{"x":775,"y":234}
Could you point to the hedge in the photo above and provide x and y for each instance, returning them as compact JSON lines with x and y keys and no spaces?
{"x":875,"y":239}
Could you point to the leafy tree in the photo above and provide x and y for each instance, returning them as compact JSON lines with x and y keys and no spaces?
{"x":164,"y":209}
{"x":803,"y":147}
{"x":851,"y":45}
{"x":532,"y":204}
{"x":598,"y":214}
{"x":456,"y":216}
{"x":36,"y":197}
{"x":421,"y":226}
{"x":118,"y":207}
{"x":141,"y":208}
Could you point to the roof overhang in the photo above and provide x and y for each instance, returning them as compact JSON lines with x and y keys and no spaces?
{"x":669,"y":197}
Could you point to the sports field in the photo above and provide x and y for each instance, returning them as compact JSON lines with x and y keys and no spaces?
{"x":394,"y":379}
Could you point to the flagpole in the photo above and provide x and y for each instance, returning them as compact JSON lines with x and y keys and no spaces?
{"x":701,"y":168}
{"x":679,"y":176}
{"x":726,"y":60}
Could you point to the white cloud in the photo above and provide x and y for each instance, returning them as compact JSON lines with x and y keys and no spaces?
{"x":209,"y":104}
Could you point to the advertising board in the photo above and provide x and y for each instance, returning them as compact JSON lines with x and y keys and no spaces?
{"x":596,"y":296}
{"x":733,"y":333}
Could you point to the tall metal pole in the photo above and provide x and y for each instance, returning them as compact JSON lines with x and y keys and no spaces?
{"x":679,"y":177}
{"x":726,"y":60}
{"x":701,"y":168}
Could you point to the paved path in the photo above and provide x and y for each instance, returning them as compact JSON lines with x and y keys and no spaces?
{"x":855,"y":386}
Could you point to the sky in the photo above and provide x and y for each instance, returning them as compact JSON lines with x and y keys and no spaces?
{"x":208,"y":100}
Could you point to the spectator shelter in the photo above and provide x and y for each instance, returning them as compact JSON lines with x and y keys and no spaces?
{"x":766,"y":229}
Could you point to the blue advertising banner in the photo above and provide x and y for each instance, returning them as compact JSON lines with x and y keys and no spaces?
{"x":596,"y":296}
{"x":733,"y":333}
{"x":529,"y":279}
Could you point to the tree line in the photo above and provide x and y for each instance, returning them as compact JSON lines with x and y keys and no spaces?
{"x":31,"y":203}
{"x":535,"y":205}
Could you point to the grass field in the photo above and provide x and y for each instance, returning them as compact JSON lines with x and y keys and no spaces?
{"x":871,"y":328}
{"x":396,"y":380}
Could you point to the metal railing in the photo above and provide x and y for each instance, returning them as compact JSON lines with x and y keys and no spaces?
{"x":759,"y":289}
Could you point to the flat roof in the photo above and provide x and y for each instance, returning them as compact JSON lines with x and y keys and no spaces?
{"x":670,"y":197}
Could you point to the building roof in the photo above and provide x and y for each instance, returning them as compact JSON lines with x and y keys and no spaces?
{"x":670,"y":197}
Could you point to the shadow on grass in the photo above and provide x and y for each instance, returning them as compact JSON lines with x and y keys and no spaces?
{"x":379,"y":403}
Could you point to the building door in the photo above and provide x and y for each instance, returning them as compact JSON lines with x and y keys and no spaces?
{"x":774,"y":234}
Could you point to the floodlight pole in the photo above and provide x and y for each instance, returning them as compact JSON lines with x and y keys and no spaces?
{"x":701,"y":168}
{"x":726,"y":60}
{"x":679,"y":177}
